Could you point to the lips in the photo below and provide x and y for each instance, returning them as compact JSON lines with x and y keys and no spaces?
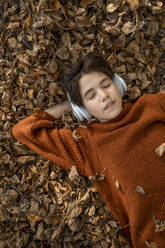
{"x":109,"y":104}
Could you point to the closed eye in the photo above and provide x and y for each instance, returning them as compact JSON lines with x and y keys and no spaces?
{"x":106,"y":86}
{"x":92,"y":96}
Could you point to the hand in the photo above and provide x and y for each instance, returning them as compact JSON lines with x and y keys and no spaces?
{"x":68,"y":106}
{"x":58,"y":110}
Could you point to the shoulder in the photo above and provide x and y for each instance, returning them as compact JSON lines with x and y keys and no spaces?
{"x":152,"y":96}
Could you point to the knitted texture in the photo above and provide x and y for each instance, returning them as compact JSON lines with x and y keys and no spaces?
{"x":120,"y":159}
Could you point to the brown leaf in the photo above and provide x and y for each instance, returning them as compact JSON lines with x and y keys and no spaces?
{"x":28,"y":21}
{"x":63,"y":53}
{"x":134,"y":4}
{"x":73,"y":174}
{"x":30,"y":93}
{"x":82,"y":21}
{"x":85,"y":3}
{"x":122,"y":239}
{"x":52,"y":88}
{"x":25,"y":159}
{"x":23,"y":58}
{"x":128,"y":28}
{"x":56,"y":5}
{"x":12,"y":42}
{"x":13,"y":25}
{"x":40,"y":230}
{"x":111,"y":7}
{"x":52,"y":66}
{"x":33,"y":220}
{"x":135,"y":92}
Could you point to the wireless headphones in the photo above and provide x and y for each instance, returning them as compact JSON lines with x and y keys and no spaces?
{"x":82,"y":113}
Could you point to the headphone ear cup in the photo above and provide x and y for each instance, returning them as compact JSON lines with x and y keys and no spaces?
{"x":80,"y":113}
{"x":120,"y":84}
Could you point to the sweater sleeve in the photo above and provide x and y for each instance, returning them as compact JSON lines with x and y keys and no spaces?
{"x":161,"y":101}
{"x":37,"y":131}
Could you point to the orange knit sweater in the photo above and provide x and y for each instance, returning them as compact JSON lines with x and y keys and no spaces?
{"x":123,"y":151}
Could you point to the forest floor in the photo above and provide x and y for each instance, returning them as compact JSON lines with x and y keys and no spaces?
{"x":38,"y":40}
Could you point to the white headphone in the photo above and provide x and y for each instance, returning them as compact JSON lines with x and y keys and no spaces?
{"x":82,"y":113}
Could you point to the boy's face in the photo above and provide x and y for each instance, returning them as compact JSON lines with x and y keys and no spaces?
{"x":97,"y":89}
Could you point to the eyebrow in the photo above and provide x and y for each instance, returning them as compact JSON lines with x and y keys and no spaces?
{"x":86,"y":93}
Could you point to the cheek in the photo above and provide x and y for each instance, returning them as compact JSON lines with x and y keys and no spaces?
{"x":92,"y":107}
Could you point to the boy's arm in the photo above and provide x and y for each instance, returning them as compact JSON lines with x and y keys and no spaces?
{"x":37,"y":131}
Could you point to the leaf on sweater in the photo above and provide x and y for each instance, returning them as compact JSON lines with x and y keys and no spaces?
{"x":159,"y":150}
{"x":97,"y":177}
{"x":75,"y":136}
{"x":159,"y":225}
{"x":151,"y":244}
{"x":140,"y":190}
{"x":117,"y":184}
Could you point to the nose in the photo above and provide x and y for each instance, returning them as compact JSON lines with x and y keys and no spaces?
{"x":103,"y":95}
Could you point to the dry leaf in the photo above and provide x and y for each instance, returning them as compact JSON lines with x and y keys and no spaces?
{"x":30,"y":93}
{"x":12,"y":42}
{"x":117,"y":184}
{"x":151,"y":244}
{"x":13,"y":25}
{"x":128,"y":28}
{"x":53,"y":89}
{"x":52,"y":66}
{"x":122,"y":239}
{"x":56,"y":5}
{"x":62,"y":53}
{"x":25,"y":159}
{"x":112,"y":7}
{"x":160,"y":150}
{"x":85,"y":3}
{"x":73,"y":174}
{"x":75,"y":136}
{"x":28,"y":21}
{"x":140,"y":190}
{"x":82,"y":21}
{"x":159,"y":225}
{"x":97,"y":177}
{"x":33,"y":220}
{"x":134,"y":4}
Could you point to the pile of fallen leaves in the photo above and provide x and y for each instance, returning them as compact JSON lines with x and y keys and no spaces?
{"x":41,"y":204}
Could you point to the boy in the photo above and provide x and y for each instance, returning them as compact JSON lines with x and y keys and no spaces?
{"x":119,"y":147}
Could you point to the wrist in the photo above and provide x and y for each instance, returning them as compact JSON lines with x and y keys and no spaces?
{"x":68,"y":106}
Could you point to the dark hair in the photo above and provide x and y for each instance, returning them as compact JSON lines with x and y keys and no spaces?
{"x":69,"y":80}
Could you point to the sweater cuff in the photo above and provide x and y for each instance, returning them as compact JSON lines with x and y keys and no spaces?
{"x":42,"y":115}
